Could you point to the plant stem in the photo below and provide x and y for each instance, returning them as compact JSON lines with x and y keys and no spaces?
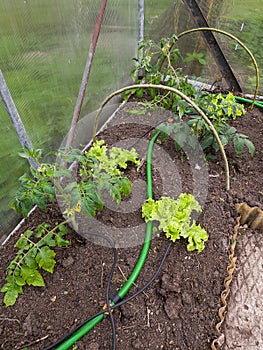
{"x":183,"y":96}
{"x":37,"y":244}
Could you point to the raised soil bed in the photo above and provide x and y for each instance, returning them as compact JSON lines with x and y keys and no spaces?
{"x":180,"y":308}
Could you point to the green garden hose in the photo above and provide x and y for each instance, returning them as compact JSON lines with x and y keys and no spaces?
{"x":80,"y":333}
{"x":246,"y":100}
{"x":144,"y":252}
{"x":137,"y":269}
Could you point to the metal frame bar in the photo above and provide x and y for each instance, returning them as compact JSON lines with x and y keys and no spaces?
{"x":15,"y":117}
{"x":141,"y":18}
{"x":213,"y":45}
{"x":86,"y":74}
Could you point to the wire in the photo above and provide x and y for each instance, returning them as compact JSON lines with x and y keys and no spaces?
{"x":112,"y":244}
{"x":141,"y":290}
{"x":116,"y":303}
{"x":150,"y":129}
{"x":113,"y":329}
{"x":148,"y":283}
{"x":122,"y":302}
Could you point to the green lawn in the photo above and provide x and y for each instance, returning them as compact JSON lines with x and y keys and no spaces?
{"x":244,"y":10}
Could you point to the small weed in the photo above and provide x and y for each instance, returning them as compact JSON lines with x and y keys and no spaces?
{"x":195,"y":56}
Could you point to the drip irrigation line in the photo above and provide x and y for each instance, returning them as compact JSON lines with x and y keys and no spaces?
{"x":120,"y":303}
{"x":141,"y":290}
{"x":151,"y":280}
{"x":112,"y":244}
{"x":149,"y":130}
{"x":154,"y":127}
{"x":86,"y":326}
{"x":113,"y":329}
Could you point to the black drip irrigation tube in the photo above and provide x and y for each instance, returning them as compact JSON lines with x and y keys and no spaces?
{"x":117,"y":299}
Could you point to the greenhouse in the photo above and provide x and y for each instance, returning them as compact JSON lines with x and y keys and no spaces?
{"x":131,"y":181}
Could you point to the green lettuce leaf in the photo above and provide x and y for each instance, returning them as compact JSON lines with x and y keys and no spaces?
{"x":174,"y":218}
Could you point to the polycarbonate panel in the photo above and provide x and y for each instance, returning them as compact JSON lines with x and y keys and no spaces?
{"x":243,"y":19}
{"x":44,"y":45}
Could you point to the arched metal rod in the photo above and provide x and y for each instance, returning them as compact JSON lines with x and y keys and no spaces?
{"x":183,"y":96}
{"x":239,"y":42}
{"x":212,"y":44}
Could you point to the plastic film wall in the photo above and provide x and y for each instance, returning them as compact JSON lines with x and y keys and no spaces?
{"x":44,"y":46}
{"x":241,"y":18}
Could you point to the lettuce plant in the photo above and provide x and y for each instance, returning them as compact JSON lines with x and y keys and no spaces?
{"x":174,"y":218}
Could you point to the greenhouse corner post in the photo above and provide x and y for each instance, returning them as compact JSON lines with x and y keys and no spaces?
{"x":15,"y":118}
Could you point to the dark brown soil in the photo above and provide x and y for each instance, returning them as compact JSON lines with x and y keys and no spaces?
{"x":180,"y":308}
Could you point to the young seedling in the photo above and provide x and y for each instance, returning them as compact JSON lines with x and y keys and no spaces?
{"x":99,"y":170}
{"x":34,"y":253}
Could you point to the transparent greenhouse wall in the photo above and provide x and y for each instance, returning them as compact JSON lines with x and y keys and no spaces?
{"x":44,"y":46}
{"x":241,"y":18}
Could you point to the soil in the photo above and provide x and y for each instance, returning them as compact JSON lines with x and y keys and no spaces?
{"x":179,"y":310}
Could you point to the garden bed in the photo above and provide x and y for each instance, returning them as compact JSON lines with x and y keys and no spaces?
{"x":179,"y":310}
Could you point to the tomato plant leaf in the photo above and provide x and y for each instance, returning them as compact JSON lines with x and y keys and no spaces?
{"x":45,"y":259}
{"x":240,"y":141}
{"x":11,"y":294}
{"x":32,"y":276}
